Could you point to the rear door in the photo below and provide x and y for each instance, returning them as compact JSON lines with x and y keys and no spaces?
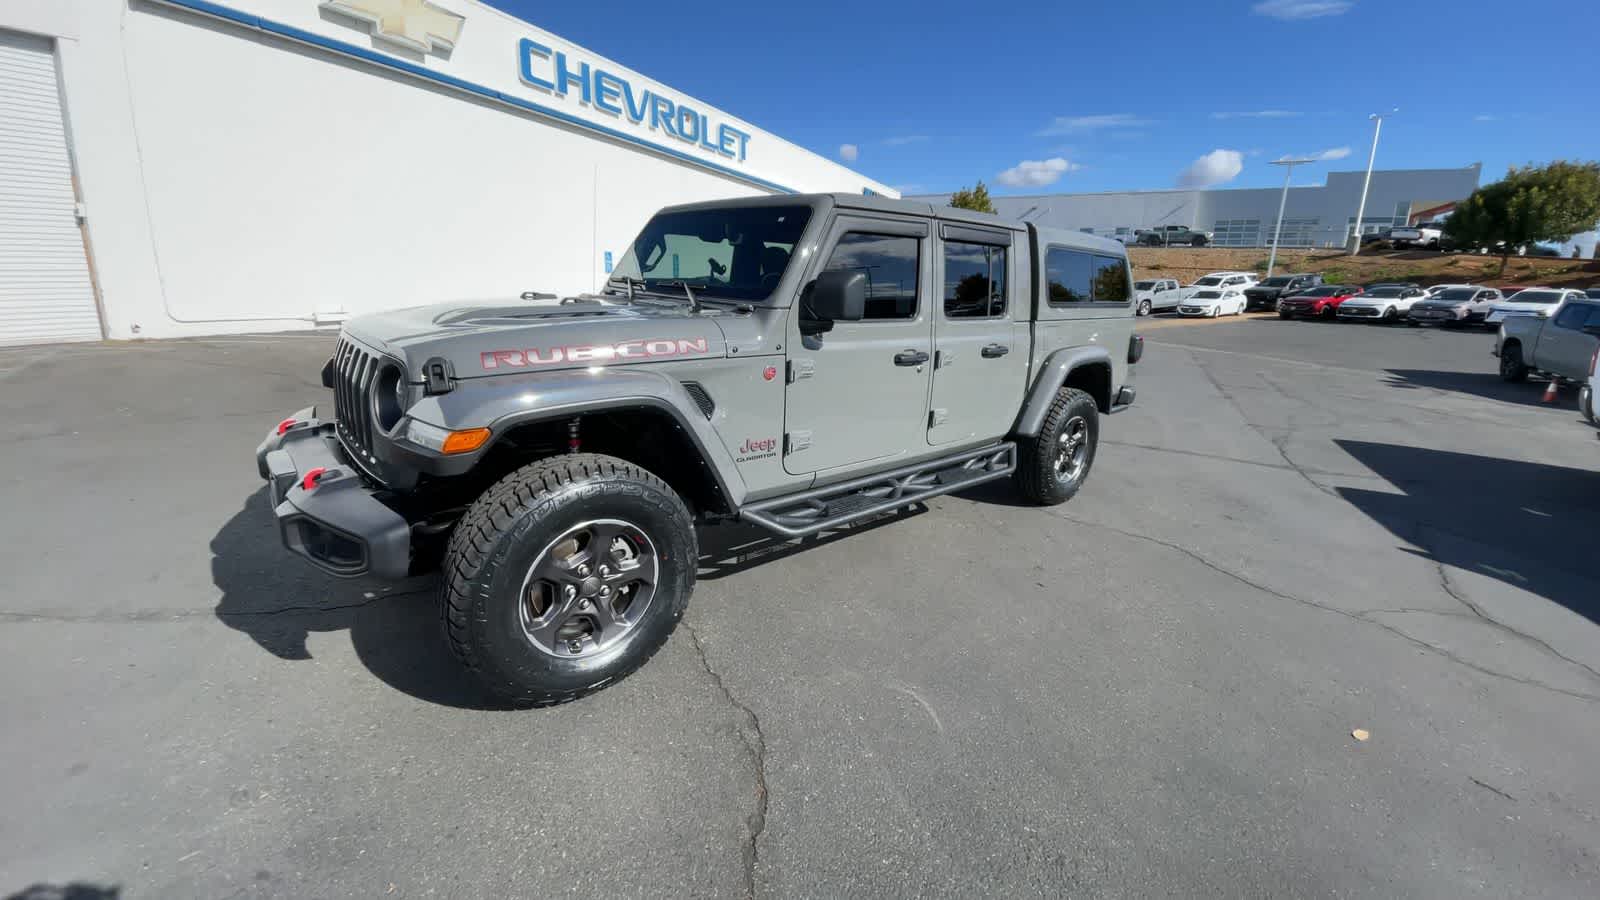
{"x":859,"y":393}
{"x":978,"y":366}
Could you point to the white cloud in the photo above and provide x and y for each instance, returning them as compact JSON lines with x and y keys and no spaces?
{"x":849,"y":152}
{"x":1036,"y":172}
{"x":1328,"y":155}
{"x":903,"y":139}
{"x":1216,"y":167}
{"x":1295,"y":10}
{"x":1485,"y":117}
{"x":1080,"y":124}
{"x":1258,"y":114}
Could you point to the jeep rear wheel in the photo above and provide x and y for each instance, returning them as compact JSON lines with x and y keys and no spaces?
{"x":1053,"y":465}
{"x":567,"y":575}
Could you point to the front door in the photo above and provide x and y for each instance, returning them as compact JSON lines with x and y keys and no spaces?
{"x":858,"y":393}
{"x":1564,"y":347}
{"x":980,"y":364}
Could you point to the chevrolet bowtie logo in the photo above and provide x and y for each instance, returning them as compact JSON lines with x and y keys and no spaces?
{"x":414,"y":24}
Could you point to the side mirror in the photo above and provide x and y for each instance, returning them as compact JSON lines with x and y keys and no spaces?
{"x":839,"y":295}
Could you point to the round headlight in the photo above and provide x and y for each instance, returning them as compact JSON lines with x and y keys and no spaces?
{"x":390,"y":396}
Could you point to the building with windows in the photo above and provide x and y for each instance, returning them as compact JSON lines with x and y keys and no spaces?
{"x":1316,"y":216}
{"x":191,"y":167}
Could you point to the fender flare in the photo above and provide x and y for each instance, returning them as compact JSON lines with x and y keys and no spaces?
{"x":505,"y":402}
{"x":1057,"y":366}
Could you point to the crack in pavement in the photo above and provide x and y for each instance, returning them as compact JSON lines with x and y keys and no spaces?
{"x":1280,"y":467}
{"x":1276,"y":445}
{"x":755,"y":744}
{"x":1449,"y":588}
{"x":1364,"y":616}
{"x":1491,"y":788}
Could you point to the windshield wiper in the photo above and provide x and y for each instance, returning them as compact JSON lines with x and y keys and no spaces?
{"x":628,"y":280}
{"x":688,"y":291}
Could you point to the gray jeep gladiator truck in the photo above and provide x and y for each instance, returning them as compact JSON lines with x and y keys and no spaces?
{"x":797,"y":363}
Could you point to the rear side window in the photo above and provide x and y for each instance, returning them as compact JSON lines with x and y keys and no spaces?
{"x":890,"y":264}
{"x":974,"y":280}
{"x":1111,"y":282}
{"x":1068,"y":274}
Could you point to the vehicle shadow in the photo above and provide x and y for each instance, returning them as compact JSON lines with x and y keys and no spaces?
{"x":1487,"y":385}
{"x":280,"y":601}
{"x":77,"y":890}
{"x":1530,"y":525}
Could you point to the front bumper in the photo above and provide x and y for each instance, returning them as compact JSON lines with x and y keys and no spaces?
{"x":336,"y":523}
{"x":1185,"y":309}
{"x":1436,"y":315}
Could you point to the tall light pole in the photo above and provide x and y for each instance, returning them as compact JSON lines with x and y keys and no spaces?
{"x":1283,"y":203}
{"x":1361,"y":210}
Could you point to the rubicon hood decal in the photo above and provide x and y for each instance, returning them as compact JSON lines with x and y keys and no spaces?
{"x":594,"y":353}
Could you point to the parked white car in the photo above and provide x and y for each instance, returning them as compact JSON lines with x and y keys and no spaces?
{"x":1382,"y":303}
{"x":1214,"y":302}
{"x":1219,"y":281}
{"x":1155,"y":294}
{"x":1455,"y":305}
{"x":1426,"y":235}
{"x":1534,"y":301}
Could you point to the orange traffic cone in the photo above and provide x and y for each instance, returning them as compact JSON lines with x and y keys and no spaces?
{"x":1550,"y":392}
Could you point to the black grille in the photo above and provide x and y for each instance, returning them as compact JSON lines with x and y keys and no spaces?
{"x":701,"y":398}
{"x":354,"y":372}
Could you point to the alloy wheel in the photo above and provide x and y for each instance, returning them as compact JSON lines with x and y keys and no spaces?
{"x":1072,"y":450}
{"x":589,"y":588}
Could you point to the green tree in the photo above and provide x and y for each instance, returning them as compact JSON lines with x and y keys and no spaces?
{"x":1532,"y":203}
{"x":975,"y":198}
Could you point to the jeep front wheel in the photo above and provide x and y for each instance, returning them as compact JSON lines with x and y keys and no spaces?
{"x":567,"y":575}
{"x":1052,"y":465}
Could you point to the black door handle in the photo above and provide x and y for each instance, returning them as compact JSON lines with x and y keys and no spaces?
{"x":910,"y":358}
{"x":994,"y":351}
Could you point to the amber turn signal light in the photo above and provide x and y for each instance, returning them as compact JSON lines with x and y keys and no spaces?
{"x":465,"y":441}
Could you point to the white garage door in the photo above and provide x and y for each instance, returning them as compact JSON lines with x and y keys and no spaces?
{"x":45,"y":293}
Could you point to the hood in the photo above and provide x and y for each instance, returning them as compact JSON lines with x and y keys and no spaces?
{"x":506,"y":337}
{"x":1370,"y":301}
{"x":1524,"y":307}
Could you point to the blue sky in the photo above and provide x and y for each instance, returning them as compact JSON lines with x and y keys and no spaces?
{"x":1050,"y":96}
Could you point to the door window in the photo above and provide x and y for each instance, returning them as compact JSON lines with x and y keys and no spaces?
{"x":890,"y":263}
{"x":974,"y":280}
{"x":1573,"y":317}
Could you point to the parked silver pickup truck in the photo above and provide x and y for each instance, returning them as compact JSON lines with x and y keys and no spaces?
{"x":1560,"y":345}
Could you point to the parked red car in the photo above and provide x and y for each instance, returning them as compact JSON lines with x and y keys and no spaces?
{"x":1322,"y":301}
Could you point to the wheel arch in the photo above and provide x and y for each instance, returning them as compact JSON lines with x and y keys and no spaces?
{"x":642,"y":416}
{"x":1087,"y":368}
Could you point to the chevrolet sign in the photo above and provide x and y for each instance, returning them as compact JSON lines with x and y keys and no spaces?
{"x":554,"y":73}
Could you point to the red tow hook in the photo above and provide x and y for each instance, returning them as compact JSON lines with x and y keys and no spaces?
{"x":285,"y":425}
{"x":310,"y":481}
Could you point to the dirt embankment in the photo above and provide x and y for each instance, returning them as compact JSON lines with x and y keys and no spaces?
{"x":1370,"y":267}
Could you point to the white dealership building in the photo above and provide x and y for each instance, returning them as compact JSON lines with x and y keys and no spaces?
{"x":190,"y":167}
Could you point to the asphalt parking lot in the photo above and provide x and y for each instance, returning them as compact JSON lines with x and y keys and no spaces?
{"x":1302,"y":529}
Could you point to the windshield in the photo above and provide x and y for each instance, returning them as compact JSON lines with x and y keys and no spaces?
{"x":1208,"y":295}
{"x":736,"y":252}
{"x":1456,"y":295}
{"x":1385,"y":292}
{"x":1276,"y":281}
{"x":1536,"y":297}
{"x":1208,"y":281}
{"x":1143,"y":285}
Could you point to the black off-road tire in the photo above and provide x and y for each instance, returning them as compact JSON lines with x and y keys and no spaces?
{"x":501,"y":535}
{"x":1036,"y":477}
{"x":1512,"y":368}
